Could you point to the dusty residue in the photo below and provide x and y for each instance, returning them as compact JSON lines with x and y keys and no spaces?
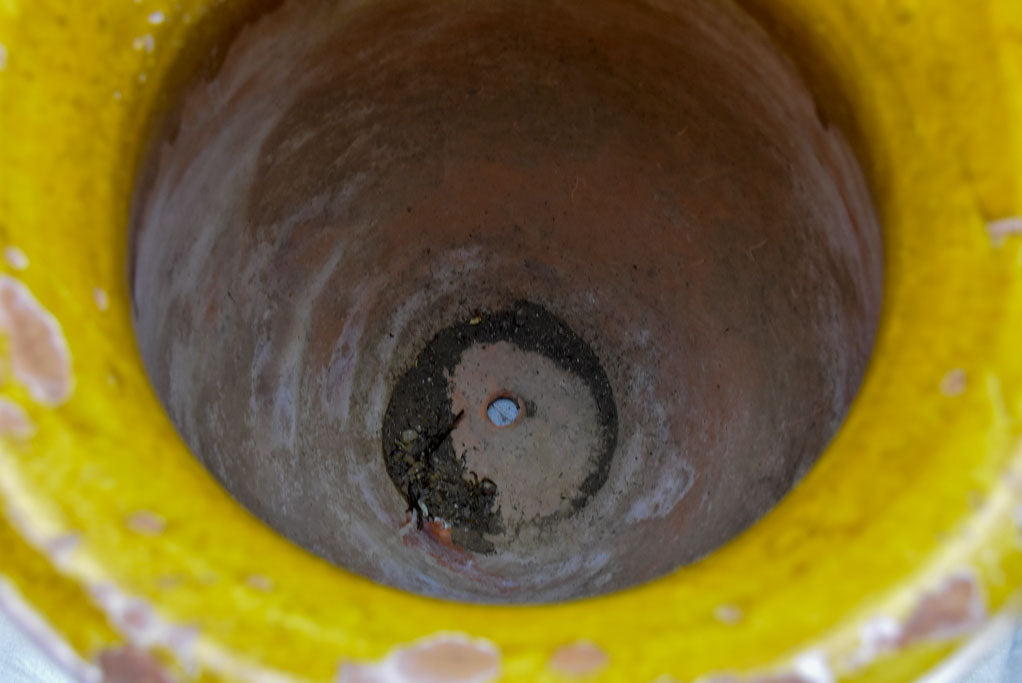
{"x":952,"y":609}
{"x":14,"y":421}
{"x":446,"y":658}
{"x":578,"y":659}
{"x":40,"y":357}
{"x":131,"y":665}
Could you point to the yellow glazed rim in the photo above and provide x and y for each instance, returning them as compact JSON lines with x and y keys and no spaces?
{"x":903,"y":540}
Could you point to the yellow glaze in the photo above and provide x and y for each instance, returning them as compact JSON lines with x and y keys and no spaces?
{"x":924,"y":480}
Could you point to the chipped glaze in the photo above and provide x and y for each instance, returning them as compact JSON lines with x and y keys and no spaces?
{"x":578,"y":659}
{"x":1003,"y":228}
{"x":15,"y":258}
{"x":39,"y":355}
{"x":954,"y":383}
{"x":14,"y":421}
{"x":952,"y":300}
{"x":443,"y":658}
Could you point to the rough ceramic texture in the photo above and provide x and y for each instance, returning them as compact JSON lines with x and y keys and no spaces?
{"x":116,"y":541}
{"x":350,"y":181}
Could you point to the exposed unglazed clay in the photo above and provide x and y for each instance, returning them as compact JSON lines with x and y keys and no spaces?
{"x":356,"y":180}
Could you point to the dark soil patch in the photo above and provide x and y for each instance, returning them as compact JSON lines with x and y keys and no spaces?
{"x":419,"y":456}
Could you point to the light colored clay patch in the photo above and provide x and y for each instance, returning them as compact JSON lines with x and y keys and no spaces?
{"x":953,"y":609}
{"x":131,"y":665}
{"x":728,"y":614}
{"x":358,"y":673}
{"x":1002,"y":229}
{"x":445,"y":658}
{"x":259,"y":582}
{"x":14,"y":421}
{"x":101,"y":298}
{"x":156,"y":18}
{"x":143,"y":626}
{"x":565,"y":421}
{"x":15,"y":258}
{"x":145,"y":522}
{"x":448,"y":660}
{"x":578,"y":659}
{"x":954,"y":383}
{"x":767,"y":678}
{"x":3,"y":57}
{"x":40,"y":356}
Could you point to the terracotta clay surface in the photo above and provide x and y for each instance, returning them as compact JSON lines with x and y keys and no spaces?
{"x":352,"y":180}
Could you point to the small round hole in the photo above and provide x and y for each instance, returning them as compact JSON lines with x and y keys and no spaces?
{"x":503,"y":411}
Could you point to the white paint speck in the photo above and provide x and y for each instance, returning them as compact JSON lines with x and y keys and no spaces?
{"x":813,"y":667}
{"x":15,"y":258}
{"x":145,"y":43}
{"x":101,"y":298}
{"x":156,"y":18}
{"x":1003,"y":228}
